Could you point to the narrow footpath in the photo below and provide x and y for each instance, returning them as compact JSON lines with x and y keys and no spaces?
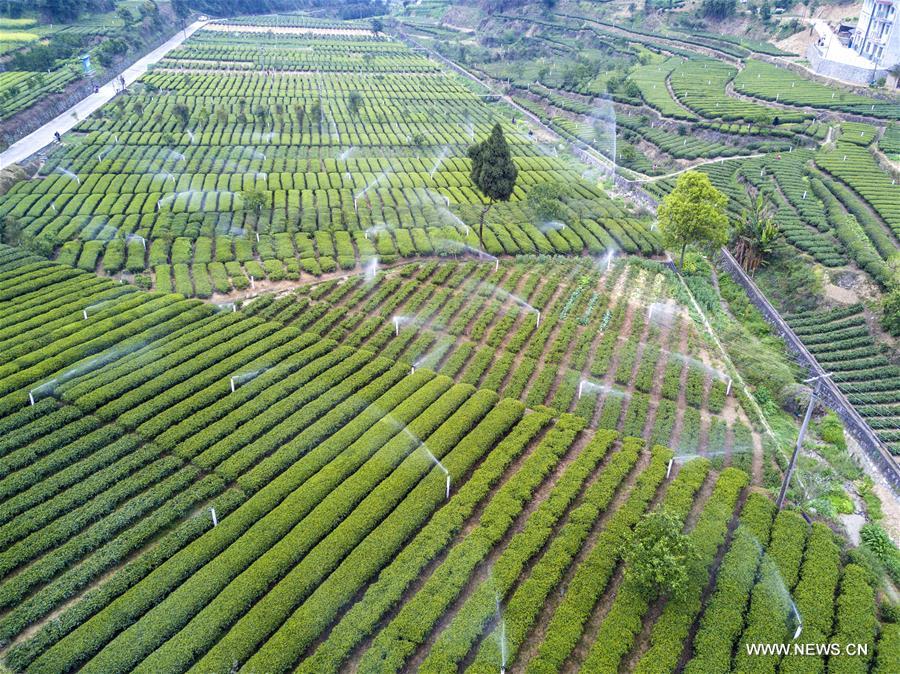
{"x":42,"y":137}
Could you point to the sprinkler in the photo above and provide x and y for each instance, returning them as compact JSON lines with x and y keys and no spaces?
{"x":215,"y":520}
{"x":669,"y":469}
{"x":728,"y":389}
{"x":448,"y":492}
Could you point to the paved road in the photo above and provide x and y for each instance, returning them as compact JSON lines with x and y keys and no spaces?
{"x":43,"y":137}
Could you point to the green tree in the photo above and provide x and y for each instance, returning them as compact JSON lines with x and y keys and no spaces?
{"x":890,"y":312}
{"x":354,"y":103}
{"x":181,"y":9}
{"x":254,"y":200}
{"x":377,"y":25}
{"x":658,"y":555}
{"x":11,"y":231}
{"x":493,"y":172}
{"x":693,"y":213}
{"x":717,"y":9}
{"x":755,"y":237}
{"x":545,"y":201}
{"x":182,"y":112}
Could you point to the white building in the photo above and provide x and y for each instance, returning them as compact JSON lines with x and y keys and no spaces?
{"x":877,"y":34}
{"x":829,"y":56}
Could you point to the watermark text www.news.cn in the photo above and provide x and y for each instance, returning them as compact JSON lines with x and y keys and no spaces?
{"x":810,"y":649}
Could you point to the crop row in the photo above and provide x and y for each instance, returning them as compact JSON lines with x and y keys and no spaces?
{"x":723,"y":617}
{"x":841,"y":342}
{"x":700,"y":85}
{"x":669,"y":633}
{"x":854,"y":165}
{"x":624,"y":618}
{"x":523,"y":606}
{"x":385,"y":500}
{"x":770,"y":616}
{"x":855,"y":622}
{"x":592,"y":575}
{"x":396,"y":642}
{"x":387,"y":592}
{"x":815,"y":593}
{"x":19,"y":90}
{"x":771,"y":83}
{"x":278,"y":503}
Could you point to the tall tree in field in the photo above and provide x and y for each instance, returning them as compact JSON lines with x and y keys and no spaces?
{"x":254,"y":200}
{"x":493,"y":172}
{"x":694,"y":213}
{"x":354,"y":103}
{"x":657,"y":556}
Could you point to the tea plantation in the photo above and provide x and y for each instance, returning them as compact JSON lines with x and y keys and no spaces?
{"x":269,"y":404}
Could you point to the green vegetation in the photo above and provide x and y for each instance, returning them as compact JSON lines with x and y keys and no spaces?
{"x":841,"y":342}
{"x":771,"y":83}
{"x":493,"y":172}
{"x":693,"y":214}
{"x":269,"y":402}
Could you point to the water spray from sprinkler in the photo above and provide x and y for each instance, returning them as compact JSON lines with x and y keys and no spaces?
{"x":35,"y":390}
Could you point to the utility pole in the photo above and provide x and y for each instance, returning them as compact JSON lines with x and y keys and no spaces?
{"x":809,"y":409}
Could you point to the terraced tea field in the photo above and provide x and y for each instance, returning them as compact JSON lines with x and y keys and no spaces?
{"x":613,"y":346}
{"x":841,"y":342}
{"x":351,"y":146}
{"x":381,"y":447}
{"x":195,"y":488}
